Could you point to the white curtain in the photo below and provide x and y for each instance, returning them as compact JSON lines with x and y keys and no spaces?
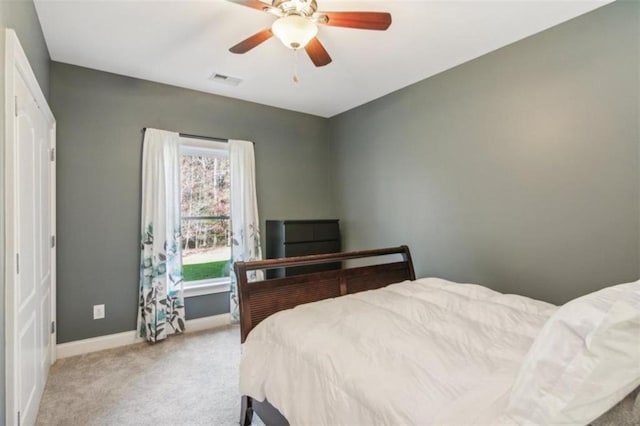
{"x":161,"y":295}
{"x":245,"y":224}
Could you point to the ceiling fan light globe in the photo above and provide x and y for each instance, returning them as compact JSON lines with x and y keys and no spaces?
{"x":294,"y":31}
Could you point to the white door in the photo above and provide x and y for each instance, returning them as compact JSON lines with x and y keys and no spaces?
{"x":29,"y":210}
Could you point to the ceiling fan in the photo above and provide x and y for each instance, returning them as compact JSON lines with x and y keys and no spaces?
{"x":296,"y":26}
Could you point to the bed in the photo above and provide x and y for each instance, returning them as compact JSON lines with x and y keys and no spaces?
{"x":373,"y":345}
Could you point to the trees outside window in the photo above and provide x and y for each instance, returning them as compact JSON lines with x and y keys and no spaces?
{"x":205,"y":214}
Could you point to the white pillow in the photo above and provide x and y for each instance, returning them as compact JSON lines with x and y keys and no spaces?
{"x":584,"y":361}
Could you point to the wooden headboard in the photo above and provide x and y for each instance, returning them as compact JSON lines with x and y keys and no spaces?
{"x":260,"y":299}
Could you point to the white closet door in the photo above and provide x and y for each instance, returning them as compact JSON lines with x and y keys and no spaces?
{"x":29,"y":229}
{"x":33,"y":272}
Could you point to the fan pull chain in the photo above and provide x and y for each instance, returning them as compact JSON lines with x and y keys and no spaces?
{"x":295,"y":66}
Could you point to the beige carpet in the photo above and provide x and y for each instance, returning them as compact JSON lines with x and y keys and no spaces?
{"x":186,"y":380}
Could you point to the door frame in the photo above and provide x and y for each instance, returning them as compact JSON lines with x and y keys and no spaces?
{"x":16,"y":63}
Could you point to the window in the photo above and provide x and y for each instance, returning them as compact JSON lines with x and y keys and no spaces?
{"x":205,"y":216}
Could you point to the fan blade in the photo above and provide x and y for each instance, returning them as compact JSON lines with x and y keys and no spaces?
{"x":317,"y":53}
{"x":254,"y":4}
{"x":362,"y":20}
{"x":246,"y":45}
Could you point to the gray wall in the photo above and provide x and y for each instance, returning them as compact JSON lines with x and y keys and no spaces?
{"x":518,"y":170}
{"x":100,"y":118}
{"x":20,"y":16}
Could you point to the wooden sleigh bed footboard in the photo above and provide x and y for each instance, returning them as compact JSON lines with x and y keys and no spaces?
{"x":260,"y":299}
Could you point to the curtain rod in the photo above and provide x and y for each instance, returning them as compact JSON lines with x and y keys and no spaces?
{"x":209,"y":138}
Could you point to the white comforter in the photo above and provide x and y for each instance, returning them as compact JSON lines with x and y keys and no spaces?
{"x":414,"y":353}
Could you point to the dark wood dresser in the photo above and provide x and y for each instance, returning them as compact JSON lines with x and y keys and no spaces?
{"x":289,"y":238}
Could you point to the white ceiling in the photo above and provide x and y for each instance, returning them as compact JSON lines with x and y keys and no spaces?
{"x":183,"y":43}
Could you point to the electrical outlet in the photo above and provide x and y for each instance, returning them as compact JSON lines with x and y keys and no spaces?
{"x":98,"y":312}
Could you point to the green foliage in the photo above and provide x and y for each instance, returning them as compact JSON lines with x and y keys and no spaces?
{"x":204,"y":271}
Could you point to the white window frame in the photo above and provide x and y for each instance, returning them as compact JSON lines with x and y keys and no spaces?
{"x":203,"y":147}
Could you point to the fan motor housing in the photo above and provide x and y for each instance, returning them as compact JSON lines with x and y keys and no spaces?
{"x":296,"y":7}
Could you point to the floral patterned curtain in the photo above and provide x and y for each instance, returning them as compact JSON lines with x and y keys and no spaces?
{"x":245,"y":224}
{"x":161,"y":309}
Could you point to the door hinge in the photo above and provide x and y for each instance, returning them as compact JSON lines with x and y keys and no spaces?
{"x":53,"y":241}
{"x":53,"y":327}
{"x":53,"y":154}
{"x":18,"y":418}
{"x":17,"y":263}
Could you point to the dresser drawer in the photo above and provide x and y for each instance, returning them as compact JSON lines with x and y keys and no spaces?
{"x":298,"y":232}
{"x":326,"y":231}
{"x":287,"y":238}
{"x":316,"y":247}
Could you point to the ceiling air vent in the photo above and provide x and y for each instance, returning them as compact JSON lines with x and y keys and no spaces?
{"x":225,"y":79}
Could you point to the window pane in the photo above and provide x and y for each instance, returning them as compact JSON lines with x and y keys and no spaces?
{"x":206,"y":250}
{"x":205,"y":186}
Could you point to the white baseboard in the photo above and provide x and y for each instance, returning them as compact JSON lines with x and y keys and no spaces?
{"x":94,"y":344}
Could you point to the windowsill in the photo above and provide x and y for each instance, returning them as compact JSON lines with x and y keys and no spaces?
{"x":201,"y":288}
